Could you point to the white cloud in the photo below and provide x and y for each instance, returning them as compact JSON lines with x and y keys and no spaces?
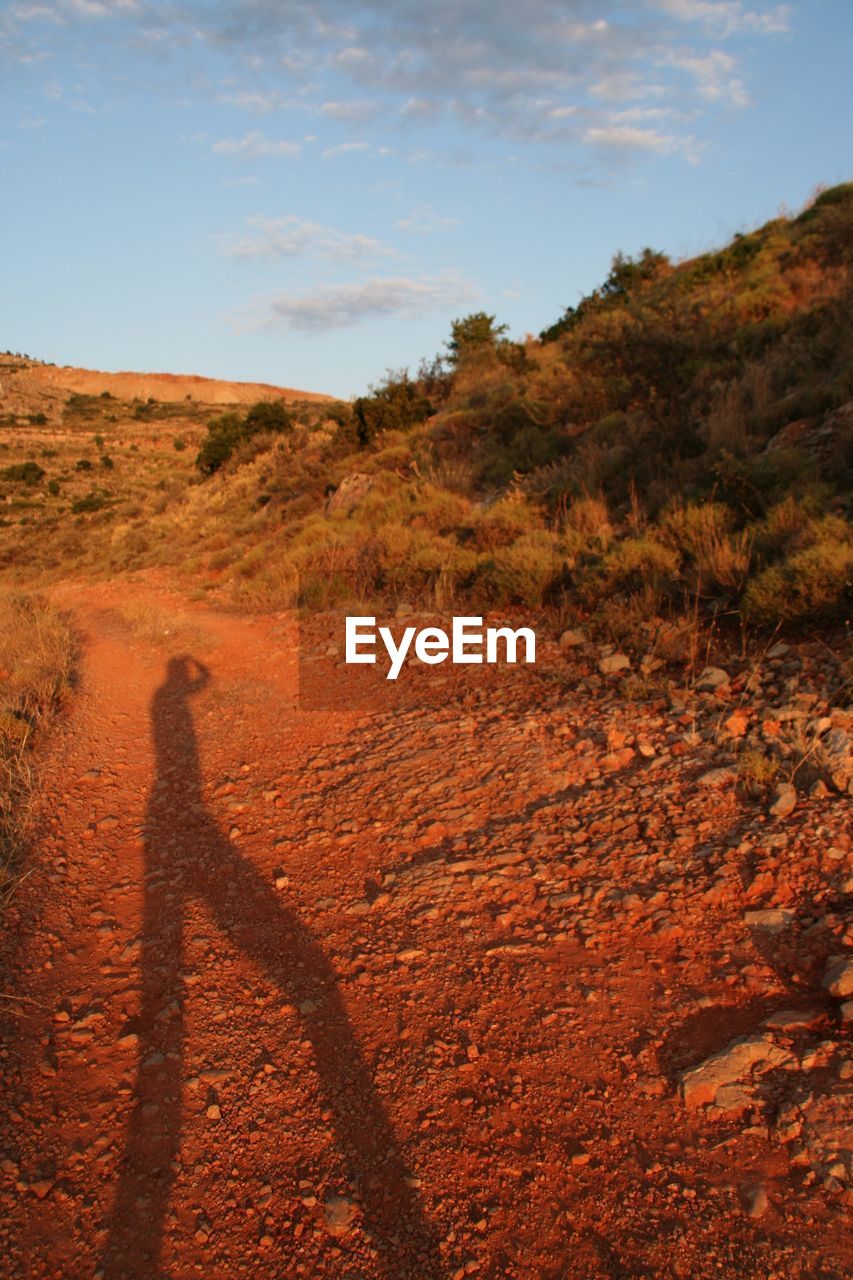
{"x":347,"y":305}
{"x":542,"y":72}
{"x":343,"y":149}
{"x":424,"y":220}
{"x":350,"y":112}
{"x":714,"y":74}
{"x":290,"y":237}
{"x":254,"y":100}
{"x":626,"y":141}
{"x":729,"y":16}
{"x":255,"y":144}
{"x":624,"y":137}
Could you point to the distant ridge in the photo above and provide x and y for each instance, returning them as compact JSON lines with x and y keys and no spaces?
{"x":164,"y":387}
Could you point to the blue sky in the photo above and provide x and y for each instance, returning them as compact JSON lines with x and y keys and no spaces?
{"x":309,"y":193}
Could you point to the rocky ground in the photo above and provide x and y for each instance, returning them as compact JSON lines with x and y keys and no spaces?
{"x":540,"y":977}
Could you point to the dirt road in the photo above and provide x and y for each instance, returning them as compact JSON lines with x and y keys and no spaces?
{"x":390,"y":995}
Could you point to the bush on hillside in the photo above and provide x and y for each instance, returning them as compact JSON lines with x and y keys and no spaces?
{"x":229,"y":430}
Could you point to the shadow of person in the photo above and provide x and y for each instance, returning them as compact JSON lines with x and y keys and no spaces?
{"x":187,"y":856}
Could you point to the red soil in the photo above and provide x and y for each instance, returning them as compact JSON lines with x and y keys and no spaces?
{"x":388,"y":995}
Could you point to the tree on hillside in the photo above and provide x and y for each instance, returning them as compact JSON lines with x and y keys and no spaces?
{"x":475,"y":333}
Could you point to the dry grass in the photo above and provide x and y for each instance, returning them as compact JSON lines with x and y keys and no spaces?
{"x":36,"y":659}
{"x":158,"y":625}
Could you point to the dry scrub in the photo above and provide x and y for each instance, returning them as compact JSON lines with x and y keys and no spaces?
{"x":36,"y":656}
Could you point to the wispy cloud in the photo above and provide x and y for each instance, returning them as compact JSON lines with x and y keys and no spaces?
{"x":272,"y":239}
{"x":256,"y":144}
{"x":625,"y":141}
{"x":424,"y":221}
{"x":714,"y":74}
{"x":728,"y":16}
{"x":543,"y":73}
{"x":258,"y":102}
{"x":355,"y":112}
{"x":348,"y":305}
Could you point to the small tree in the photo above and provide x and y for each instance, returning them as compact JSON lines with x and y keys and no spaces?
{"x":475,"y":333}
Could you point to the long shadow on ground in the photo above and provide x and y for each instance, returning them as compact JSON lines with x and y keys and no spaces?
{"x":186,"y":856}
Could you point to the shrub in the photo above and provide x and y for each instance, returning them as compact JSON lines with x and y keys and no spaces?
{"x":809,"y":585}
{"x":268,"y":415}
{"x":29,"y":473}
{"x":398,"y":404}
{"x":589,"y":516}
{"x":179,"y":443}
{"x":501,"y":524}
{"x":227,"y":432}
{"x":95,"y":500}
{"x":83,"y":464}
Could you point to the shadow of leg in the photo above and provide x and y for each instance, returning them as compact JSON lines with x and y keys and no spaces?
{"x":136,"y":1225}
{"x":278,"y":943}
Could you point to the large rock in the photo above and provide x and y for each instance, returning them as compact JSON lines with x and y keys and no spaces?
{"x":350,"y":492}
{"x":730,"y":1068}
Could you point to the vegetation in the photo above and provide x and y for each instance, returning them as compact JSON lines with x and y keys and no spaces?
{"x":35,"y":669}
{"x":679,"y":444}
{"x":230,"y":430}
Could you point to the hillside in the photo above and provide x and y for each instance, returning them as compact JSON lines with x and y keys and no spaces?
{"x":681,"y":442}
{"x":28,"y":386}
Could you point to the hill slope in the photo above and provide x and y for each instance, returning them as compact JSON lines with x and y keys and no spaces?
{"x":681,"y":442}
{"x":28,"y":386}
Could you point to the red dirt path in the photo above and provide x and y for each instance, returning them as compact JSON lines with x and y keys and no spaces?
{"x":370,"y":996}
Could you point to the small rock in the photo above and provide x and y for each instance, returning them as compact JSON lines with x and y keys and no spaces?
{"x":711,"y":679}
{"x":214,"y":1112}
{"x":737,"y":723}
{"x":755,"y":1202}
{"x":838,"y":977}
{"x":614,"y":663}
{"x":772,"y":920}
{"x":784,"y":801}
{"x":338,"y":1214}
{"x":793,"y":1019}
{"x":718,"y":777}
{"x":571,"y":639}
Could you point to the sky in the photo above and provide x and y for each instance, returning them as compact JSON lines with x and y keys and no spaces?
{"x":309,"y":194}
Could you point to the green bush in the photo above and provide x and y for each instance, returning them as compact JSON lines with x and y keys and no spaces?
{"x":227,"y":432}
{"x":809,"y":586}
{"x":398,"y":404}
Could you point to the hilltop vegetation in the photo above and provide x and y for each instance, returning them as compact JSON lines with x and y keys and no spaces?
{"x":681,"y":441}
